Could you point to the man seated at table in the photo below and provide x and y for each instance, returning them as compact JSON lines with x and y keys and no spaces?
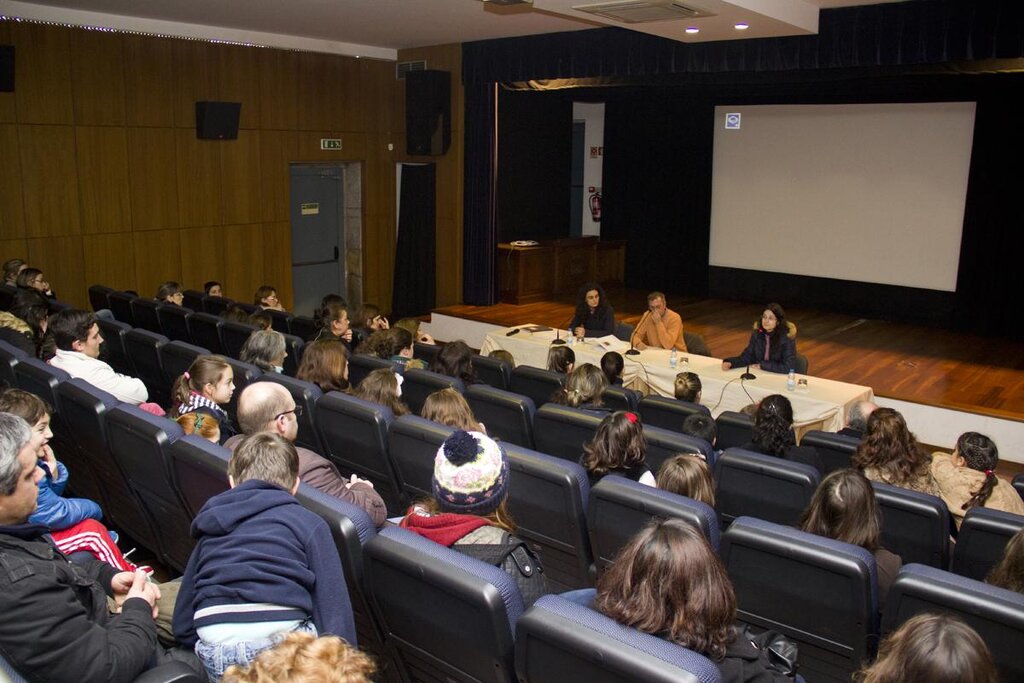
{"x":660,"y":328}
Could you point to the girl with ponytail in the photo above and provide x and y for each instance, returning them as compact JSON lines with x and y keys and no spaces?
{"x":206,"y":386}
{"x":967,"y":478}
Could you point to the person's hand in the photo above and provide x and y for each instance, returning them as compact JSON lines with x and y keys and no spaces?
{"x":580,"y":332}
{"x":140,"y":587}
{"x":426,"y":339}
{"x":45,"y":454}
{"x":656,"y":315}
{"x":356,"y":480}
{"x":121,"y":584}
{"x":347,"y":335}
{"x":726,"y":365}
{"x":640,"y":346}
{"x":755,"y":366}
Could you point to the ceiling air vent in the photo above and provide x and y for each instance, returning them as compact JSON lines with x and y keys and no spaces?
{"x":402,"y":68}
{"x":641,"y":11}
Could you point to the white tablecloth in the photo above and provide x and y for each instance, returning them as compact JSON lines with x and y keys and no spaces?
{"x":823,"y":405}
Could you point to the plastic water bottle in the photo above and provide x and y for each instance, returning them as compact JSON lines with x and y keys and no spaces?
{"x":673,"y":358}
{"x":791,"y":381}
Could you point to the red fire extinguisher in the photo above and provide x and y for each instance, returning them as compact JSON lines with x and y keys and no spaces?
{"x":595,"y":205}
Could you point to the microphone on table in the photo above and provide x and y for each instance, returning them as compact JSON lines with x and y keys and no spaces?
{"x":748,"y":374}
{"x":633,"y":351}
{"x":558,"y":334}
{"x":512,"y":332}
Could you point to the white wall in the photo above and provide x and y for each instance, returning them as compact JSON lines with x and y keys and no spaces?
{"x":592,"y":114}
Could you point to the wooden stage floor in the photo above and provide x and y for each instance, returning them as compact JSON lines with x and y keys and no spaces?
{"x":906,"y":362}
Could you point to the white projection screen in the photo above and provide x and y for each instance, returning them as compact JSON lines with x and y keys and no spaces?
{"x":867,"y":192}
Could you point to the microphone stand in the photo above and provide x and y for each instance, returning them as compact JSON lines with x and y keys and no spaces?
{"x":633,"y":351}
{"x":558,"y":335}
{"x":748,"y":374}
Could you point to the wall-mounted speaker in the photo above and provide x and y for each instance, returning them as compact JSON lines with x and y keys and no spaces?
{"x":428,"y":112}
{"x":217,"y":120}
{"x":6,"y":68}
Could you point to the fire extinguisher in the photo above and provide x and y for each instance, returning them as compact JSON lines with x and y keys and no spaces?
{"x":595,"y":205}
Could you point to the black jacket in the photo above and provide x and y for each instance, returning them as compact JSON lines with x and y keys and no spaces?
{"x":781,"y":354}
{"x":597,"y":323}
{"x":744,"y":663}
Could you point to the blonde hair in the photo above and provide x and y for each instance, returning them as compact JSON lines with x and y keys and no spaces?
{"x":448,"y":407}
{"x":304,"y":658}
{"x":687,"y":475}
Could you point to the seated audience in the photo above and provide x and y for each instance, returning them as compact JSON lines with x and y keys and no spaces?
{"x":77,"y":337}
{"x":667,"y":581}
{"x":213,"y":288}
{"x":503,"y":355}
{"x":687,"y":475}
{"x":260,"y":320}
{"x":56,"y":623}
{"x":844,"y":509}
{"x":236,"y":314}
{"x":18,"y":333}
{"x":31,"y":308}
{"x":612,"y":364}
{"x":382,"y":386}
{"x":937,"y":648}
{"x":889,"y":453}
{"x":455,"y":359}
{"x":772,"y":345}
{"x":702,"y":427}
{"x":332,"y":321}
{"x":1009,"y":572}
{"x":967,"y":478}
{"x":468,"y":511}
{"x":266,"y":350}
{"x":582,"y":389}
{"x":618,"y":447}
{"x":304,"y":658}
{"x":857,"y":420}
{"x":448,"y":407}
{"x":659,"y":328}
{"x":266,"y":298}
{"x":401,"y":348}
{"x":12,"y":268}
{"x":205,"y":387}
{"x":594,"y":316}
{"x":688,"y":388}
{"x":413,"y":326}
{"x":561,"y":359}
{"x":200,"y":424}
{"x":233,"y":602}
{"x":773,"y":433}
{"x":325,"y":364}
{"x":32,"y":279}
{"x":368,"y":321}
{"x":169,"y":293}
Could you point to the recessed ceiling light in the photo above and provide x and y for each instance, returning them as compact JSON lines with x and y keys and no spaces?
{"x":741,"y":27}
{"x":692,"y":29}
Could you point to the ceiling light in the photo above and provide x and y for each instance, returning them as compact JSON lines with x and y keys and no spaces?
{"x":741,"y":27}
{"x":692,"y":29}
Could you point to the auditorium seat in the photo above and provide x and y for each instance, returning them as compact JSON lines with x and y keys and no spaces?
{"x":204,"y":329}
{"x":177,"y":357}
{"x":216,"y":305}
{"x":173,"y":321}
{"x":835,"y":450}
{"x":493,"y":371}
{"x":294,"y":346}
{"x":995,"y":613}
{"x":536,"y":383}
{"x":425,"y":352}
{"x":762,"y":486}
{"x":98,"y":297}
{"x":820,"y":593}
{"x":171,"y":672}
{"x":668,"y":413}
{"x":561,"y":430}
{"x":800,"y":365}
{"x":112,"y":350}
{"x":7,"y":294}
{"x":244,"y":375}
{"x":413,"y":443}
{"x":305,"y":394}
{"x":619,"y":508}
{"x":200,"y":469}
{"x":144,"y":314}
{"x":915,"y":525}
{"x":193,"y":300}
{"x":360,"y":365}
{"x":507,"y":416}
{"x":662,"y":444}
{"x":9,"y":357}
{"x":355,"y":434}
{"x":734,"y":429}
{"x":121,"y":306}
{"x":445,"y":616}
{"x":558,"y":640}
{"x":618,"y":398}
{"x":143,"y":350}
{"x":419,"y":384}
{"x":41,"y":379}
{"x":547,"y":498}
{"x":57,"y":306}
{"x":233,"y":336}
{"x":71,"y":449}
{"x":1018,"y":483}
{"x":983,"y":536}
{"x":695,"y":344}
{"x":279,"y":320}
{"x":624,"y":331}
{"x":141,"y":443}
{"x":303,"y":327}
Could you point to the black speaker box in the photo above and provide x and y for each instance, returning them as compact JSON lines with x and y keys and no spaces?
{"x":428,"y":112}
{"x":6,"y":68}
{"x":217,"y":120}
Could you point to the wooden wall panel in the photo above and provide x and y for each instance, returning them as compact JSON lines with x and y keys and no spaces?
{"x":238,"y":71}
{"x":152,"y":162}
{"x":50,"y":183}
{"x":355,"y":146}
{"x":12,"y":208}
{"x":199,"y":179}
{"x":109,"y":259}
{"x":277,"y":150}
{"x":97,"y":78}
{"x":244,"y":255}
{"x":61,"y":262}
{"x":277,"y":261}
{"x":13,"y":248}
{"x":149,"y":81}
{"x":196,"y":79}
{"x":278,"y":89}
{"x":203,"y":252}
{"x":157,"y":259}
{"x":240,"y":164}
{"x":42,"y":78}
{"x":103,"y":179}
{"x":314,"y":90}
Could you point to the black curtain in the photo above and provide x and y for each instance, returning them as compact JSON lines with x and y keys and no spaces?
{"x":415,"y":256}
{"x":479,"y":202}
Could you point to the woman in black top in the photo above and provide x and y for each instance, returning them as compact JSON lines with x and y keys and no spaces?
{"x":594,"y":317}
{"x":773,"y":433}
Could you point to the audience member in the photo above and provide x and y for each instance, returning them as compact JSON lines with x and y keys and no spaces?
{"x":582,"y":389}
{"x":260,"y":320}
{"x":618,"y":447}
{"x":773,"y":433}
{"x":200,"y":424}
{"x":503,"y":355}
{"x":15,"y":331}
{"x":304,"y":658}
{"x":594,"y":317}
{"x":844,"y":509}
{"x":687,"y":475}
{"x":232,"y":601}
{"x":468,"y":510}
{"x":332,"y":319}
{"x":612,"y":364}
{"x":213,"y":288}
{"x":561,"y":359}
{"x":34,"y":280}
{"x":325,"y":364}
{"x":772,"y":345}
{"x":660,"y":328}
{"x":455,"y":359}
{"x":266,"y":350}
{"x":704,"y":427}
{"x":371,"y":318}
{"x":236,"y":314}
{"x":413,"y":326}
{"x":77,"y":336}
{"x":266,"y":298}
{"x":169,"y":293}
{"x":12,"y":268}
{"x":889,"y":453}
{"x":383,"y":386}
{"x":937,"y":648}
{"x":1009,"y":572}
{"x":207,"y":385}
{"x":268,"y":407}
{"x":448,"y":407}
{"x":402,"y":350}
{"x":967,"y":478}
{"x":857,"y":420}
{"x":31,"y":307}
{"x":688,"y":387}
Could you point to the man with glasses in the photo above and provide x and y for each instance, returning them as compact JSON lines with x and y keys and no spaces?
{"x":268,"y":407}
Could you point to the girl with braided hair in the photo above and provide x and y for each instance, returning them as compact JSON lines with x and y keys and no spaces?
{"x":966,"y":478}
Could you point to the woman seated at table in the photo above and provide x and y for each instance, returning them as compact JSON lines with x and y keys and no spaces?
{"x":583,"y":388}
{"x":594,"y":317}
{"x":772,"y":345}
{"x":773,"y":433}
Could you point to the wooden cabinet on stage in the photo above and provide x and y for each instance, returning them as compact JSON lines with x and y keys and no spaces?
{"x":535,"y":273}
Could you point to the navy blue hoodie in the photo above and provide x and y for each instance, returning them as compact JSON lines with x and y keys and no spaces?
{"x":259,"y":550}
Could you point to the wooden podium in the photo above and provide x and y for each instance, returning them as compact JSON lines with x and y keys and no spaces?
{"x":536,"y":273}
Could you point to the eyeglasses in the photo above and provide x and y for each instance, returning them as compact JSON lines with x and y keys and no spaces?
{"x":297,"y":410}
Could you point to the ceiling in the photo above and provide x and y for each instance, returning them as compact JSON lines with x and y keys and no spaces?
{"x":379,"y":28}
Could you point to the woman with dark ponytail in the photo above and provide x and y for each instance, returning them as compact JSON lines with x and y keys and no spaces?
{"x":206,"y":386}
{"x":967,"y":478}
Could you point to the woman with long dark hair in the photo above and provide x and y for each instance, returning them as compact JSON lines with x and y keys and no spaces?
{"x":890,"y":453}
{"x":455,"y":359}
{"x":772,"y":345}
{"x":594,"y":317}
{"x":773,"y":433}
{"x":618,"y":447}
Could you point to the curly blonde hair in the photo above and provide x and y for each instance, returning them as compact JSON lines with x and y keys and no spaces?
{"x":304,"y":658}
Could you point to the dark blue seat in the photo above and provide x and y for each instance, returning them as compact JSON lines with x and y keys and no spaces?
{"x":7,"y":294}
{"x":1018,"y":484}
{"x":419,"y":384}
{"x":360,"y":365}
{"x":663,"y":443}
{"x":558,"y":640}
{"x":835,"y":450}
{"x":561,"y":431}
{"x":41,"y":379}
{"x":983,"y":536}
{"x":303,"y":327}
{"x":144,"y":314}
{"x":507,"y":416}
{"x":762,"y":486}
{"x":172,"y":672}
{"x":204,"y":329}
{"x":412,"y":444}
{"x":305,"y":394}
{"x":192,"y":299}
{"x":112,"y":350}
{"x":9,"y":357}
{"x":143,"y":349}
{"x":173,"y":321}
{"x":668,"y":413}
{"x":177,"y":357}
{"x":121,"y":306}
{"x":820,"y":593}
{"x":200,"y":470}
{"x":98,"y":297}
{"x":536,"y":383}
{"x":620,"y":398}
{"x":216,"y":305}
{"x":294,"y":346}
{"x":280,"y":321}
{"x":734,"y":430}
{"x":233,"y":336}
{"x":492,"y":371}
{"x":425,"y":352}
{"x":915,"y":525}
{"x":244,"y":375}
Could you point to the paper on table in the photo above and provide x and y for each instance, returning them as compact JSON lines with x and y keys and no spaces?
{"x":610,"y":343}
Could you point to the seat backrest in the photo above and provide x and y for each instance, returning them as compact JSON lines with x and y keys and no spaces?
{"x":561,"y":431}
{"x":98,"y":297}
{"x":121,"y":306}
{"x":536,"y":383}
{"x":619,"y":398}
{"x":835,"y":450}
{"x":280,"y":321}
{"x":557,"y":636}
{"x":355,"y":434}
{"x":548,"y":500}
{"x":244,"y":375}
{"x":204,"y":329}
{"x":143,"y":349}
{"x":414,"y":582}
{"x":9,"y":357}
{"x":995,"y":613}
{"x":983,"y":536}
{"x":144,"y":314}
{"x":216,"y":305}
{"x":360,"y":365}
{"x":419,"y":384}
{"x":801,"y":365}
{"x":1018,"y":484}
{"x":413,"y":443}
{"x":201,"y":470}
{"x":41,"y":379}
{"x":915,"y":525}
{"x":192,"y":299}
{"x":303,"y":327}
{"x":818,"y":592}
{"x":294,"y":346}
{"x":305,"y":394}
{"x":507,"y":416}
{"x":493,"y":371}
{"x":762,"y":486}
{"x":624,"y":331}
{"x":734,"y":429}
{"x":662,"y":444}
{"x":141,"y":443}
{"x":173,"y":321}
{"x":7,"y":294}
{"x":695,"y":344}
{"x":177,"y":357}
{"x":668,"y":413}
{"x":234,"y":335}
{"x":112,"y":350}
{"x":619,"y":508}
{"x":425,"y":352}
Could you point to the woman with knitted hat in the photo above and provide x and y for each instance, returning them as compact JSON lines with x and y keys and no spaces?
{"x":468,"y":510}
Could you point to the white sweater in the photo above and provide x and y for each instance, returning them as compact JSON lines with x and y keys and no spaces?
{"x":102,"y":376}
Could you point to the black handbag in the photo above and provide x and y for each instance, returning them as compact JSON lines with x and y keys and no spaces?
{"x":779,"y":652}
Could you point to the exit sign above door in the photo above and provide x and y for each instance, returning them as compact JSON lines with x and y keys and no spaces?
{"x":330,"y":143}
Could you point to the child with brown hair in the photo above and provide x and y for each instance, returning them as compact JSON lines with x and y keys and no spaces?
{"x":687,"y":475}
{"x":207,"y":385}
{"x":967,"y":478}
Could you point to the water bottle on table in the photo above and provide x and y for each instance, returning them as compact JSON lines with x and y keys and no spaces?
{"x":791,"y":381}
{"x":673,"y":358}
